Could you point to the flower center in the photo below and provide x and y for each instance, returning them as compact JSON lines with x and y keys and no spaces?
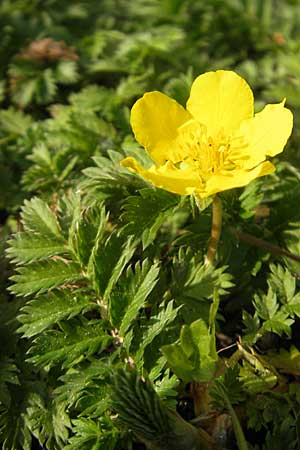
{"x":209,"y":155}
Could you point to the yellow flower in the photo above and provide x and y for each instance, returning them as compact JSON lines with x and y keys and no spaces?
{"x":215,"y":143}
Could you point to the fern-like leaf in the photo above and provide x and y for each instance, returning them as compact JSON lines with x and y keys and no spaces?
{"x":38,"y":277}
{"x":75,"y":340}
{"x":27,"y":247}
{"x":40,"y":314}
{"x":37,"y":216}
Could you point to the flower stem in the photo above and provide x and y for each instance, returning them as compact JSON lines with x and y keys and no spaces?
{"x":216,"y":227}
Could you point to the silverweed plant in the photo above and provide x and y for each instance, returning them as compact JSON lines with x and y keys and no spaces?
{"x":149,"y":225}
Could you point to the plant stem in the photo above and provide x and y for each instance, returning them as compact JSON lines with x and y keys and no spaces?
{"x":216,"y":227}
{"x":252,"y":240}
{"x":238,"y":431}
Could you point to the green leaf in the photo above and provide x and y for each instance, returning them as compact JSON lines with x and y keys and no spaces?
{"x":66,"y":72}
{"x":87,"y":228}
{"x":282,"y":282}
{"x":109,"y":260}
{"x":156,"y":325}
{"x":145,"y":214}
{"x":179,"y":361}
{"x":280,"y":323}
{"x":86,"y":387}
{"x":42,"y":313}
{"x":275,"y":319}
{"x":293,"y":307}
{"x":93,"y":435}
{"x":252,"y":327}
{"x":250,"y":198}
{"x":14,"y":121}
{"x":109,"y":179}
{"x":38,"y":217}
{"x":193,"y":283}
{"x":287,"y":361}
{"x":166,"y":388}
{"x":15,"y":435}
{"x":50,"y":166}
{"x":266,"y":305}
{"x":233,"y":387}
{"x":194,"y":357}
{"x":38,"y":277}
{"x":27,"y":247}
{"x":76,"y":340}
{"x":256,"y":381}
{"x":8,"y":375}
{"x":143,"y":281}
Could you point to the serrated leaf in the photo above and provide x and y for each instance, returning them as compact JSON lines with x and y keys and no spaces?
{"x":41,"y":313}
{"x":266,"y":305}
{"x":109,"y":179}
{"x":86,"y":387}
{"x":37,"y":216}
{"x":156,"y":325}
{"x":293,"y":307}
{"x":93,"y":435}
{"x":14,"y":121}
{"x":39,"y":277}
{"x":282,"y":282}
{"x":77,"y":340}
{"x":166,"y":388}
{"x":252,"y":326}
{"x":287,"y":361}
{"x":46,"y":418}
{"x":145,"y":214}
{"x":109,"y":260}
{"x":27,"y":247}
{"x":87,"y":227}
{"x":231,"y":384}
{"x":251,"y":198}
{"x":8,"y":375}
{"x":91,"y":97}
{"x":194,"y":282}
{"x":14,"y":432}
{"x":143,"y":282}
{"x":280,"y":323}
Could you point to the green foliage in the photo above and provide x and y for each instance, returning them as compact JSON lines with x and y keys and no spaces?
{"x":194,"y":282}
{"x":98,"y":436}
{"x":138,"y":288}
{"x":38,"y":277}
{"x":84,"y":338}
{"x":276,"y":309}
{"x":140,"y":408}
{"x":36,"y":316}
{"x":157,"y":324}
{"x":37,"y":216}
{"x":26,"y":248}
{"x":145,"y":214}
{"x":194,"y":358}
{"x":103,"y":271}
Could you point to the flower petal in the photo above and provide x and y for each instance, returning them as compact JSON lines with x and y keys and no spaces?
{"x":155,"y":119}
{"x":168,"y":177}
{"x":235,"y":178}
{"x":266,"y":133}
{"x":220,"y":100}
